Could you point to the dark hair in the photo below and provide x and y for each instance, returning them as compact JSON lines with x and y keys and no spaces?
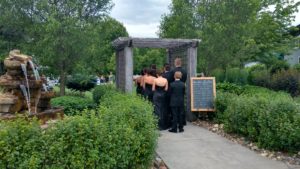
{"x":153,"y":66}
{"x":158,"y":72}
{"x":146,"y":71}
{"x":153,"y":72}
{"x":142,"y":72}
{"x":167,"y":67}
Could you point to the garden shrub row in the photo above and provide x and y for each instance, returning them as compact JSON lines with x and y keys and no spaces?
{"x":272,"y":119}
{"x":278,"y":77}
{"x":72,"y":104}
{"x":100,"y":90}
{"x":109,"y":137}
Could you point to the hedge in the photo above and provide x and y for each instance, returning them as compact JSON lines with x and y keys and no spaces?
{"x":100,"y":90}
{"x":109,"y":137}
{"x":72,"y":104}
{"x":272,"y":119}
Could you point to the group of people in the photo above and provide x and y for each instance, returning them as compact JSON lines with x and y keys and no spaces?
{"x":165,"y":89}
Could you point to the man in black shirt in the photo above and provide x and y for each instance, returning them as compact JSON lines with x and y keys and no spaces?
{"x":178,"y":67}
{"x":177,"y":90}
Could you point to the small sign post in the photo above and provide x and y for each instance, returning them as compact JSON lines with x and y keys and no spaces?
{"x":203,"y":94}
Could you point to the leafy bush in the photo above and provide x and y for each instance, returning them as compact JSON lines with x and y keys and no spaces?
{"x":21,"y":144}
{"x":99,"y":91}
{"x":260,"y":77}
{"x":297,"y":67}
{"x":280,"y":126}
{"x":237,"y":76}
{"x":73,"y":105}
{"x":230,"y":87}
{"x":81,"y":82}
{"x":137,"y":114}
{"x":269,"y":118}
{"x":288,"y":81}
{"x":120,"y":136}
{"x":219,"y":74}
{"x":279,"y":66}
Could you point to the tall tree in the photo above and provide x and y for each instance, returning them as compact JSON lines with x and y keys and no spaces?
{"x":56,"y":31}
{"x":99,"y":46}
{"x":231,"y":32}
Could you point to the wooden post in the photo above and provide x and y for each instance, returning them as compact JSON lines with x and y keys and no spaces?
{"x":128,"y":69}
{"x":117,"y":69}
{"x":168,"y":56}
{"x":192,"y":72}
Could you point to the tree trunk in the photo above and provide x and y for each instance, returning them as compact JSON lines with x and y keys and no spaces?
{"x":62,"y":80}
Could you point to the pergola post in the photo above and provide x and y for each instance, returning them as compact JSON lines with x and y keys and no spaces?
{"x":124,"y":69}
{"x":128,"y":69}
{"x":168,"y":56}
{"x":191,"y":72}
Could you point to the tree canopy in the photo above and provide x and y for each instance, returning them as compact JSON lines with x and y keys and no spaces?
{"x":231,"y":32}
{"x":62,"y":35}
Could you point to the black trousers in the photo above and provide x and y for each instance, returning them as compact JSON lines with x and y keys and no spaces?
{"x":177,"y":114}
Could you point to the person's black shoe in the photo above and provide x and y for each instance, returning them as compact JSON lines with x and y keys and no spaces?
{"x":181,"y":130}
{"x":172,"y":131}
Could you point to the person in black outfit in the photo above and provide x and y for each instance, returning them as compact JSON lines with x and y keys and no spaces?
{"x":178,"y":67}
{"x":168,"y":75}
{"x":138,"y":83}
{"x":177,"y":90}
{"x":160,"y":87}
{"x":148,"y":81}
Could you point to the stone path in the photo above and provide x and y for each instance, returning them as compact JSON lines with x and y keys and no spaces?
{"x":198,"y":148}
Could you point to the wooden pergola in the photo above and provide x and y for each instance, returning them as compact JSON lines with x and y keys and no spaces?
{"x":183,"y":48}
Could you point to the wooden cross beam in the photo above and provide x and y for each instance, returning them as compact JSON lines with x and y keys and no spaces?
{"x":122,"y":42}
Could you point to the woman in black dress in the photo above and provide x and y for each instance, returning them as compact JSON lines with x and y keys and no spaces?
{"x":148,"y":81}
{"x":160,"y":88}
{"x":139,"y":85}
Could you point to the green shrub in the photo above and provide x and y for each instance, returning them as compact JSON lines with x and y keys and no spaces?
{"x":230,"y":88}
{"x":136,"y":113}
{"x":222,"y":101}
{"x":279,"y":125}
{"x":288,"y":81}
{"x":279,"y":66}
{"x":81,"y":82}
{"x":260,"y":77}
{"x":267,"y":117}
{"x":237,"y":76}
{"x":21,"y":144}
{"x":72,"y":105}
{"x":100,"y":90}
{"x":105,"y":138}
{"x":219,"y":74}
{"x":297,"y":67}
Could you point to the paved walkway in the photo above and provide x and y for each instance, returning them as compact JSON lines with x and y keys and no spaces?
{"x":198,"y":148}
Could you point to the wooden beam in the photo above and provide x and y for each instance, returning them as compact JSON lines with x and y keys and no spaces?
{"x":122,"y":42}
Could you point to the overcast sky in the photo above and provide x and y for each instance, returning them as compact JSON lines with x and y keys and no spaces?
{"x":142,"y":17}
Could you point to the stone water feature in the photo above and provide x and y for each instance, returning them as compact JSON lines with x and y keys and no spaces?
{"x":24,"y":91}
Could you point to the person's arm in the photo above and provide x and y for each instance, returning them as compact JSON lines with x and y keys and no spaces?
{"x":167,"y":86}
{"x":144,"y":81}
{"x":153,"y":85}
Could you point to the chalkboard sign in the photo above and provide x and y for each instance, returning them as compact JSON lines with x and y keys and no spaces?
{"x":203,"y":93}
